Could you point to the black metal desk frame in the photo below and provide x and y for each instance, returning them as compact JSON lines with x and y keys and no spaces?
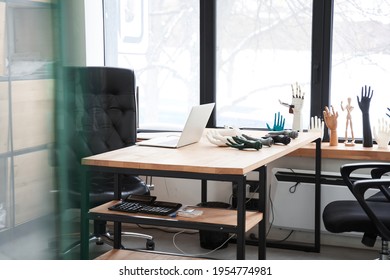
{"x":316,"y":245}
{"x":239,"y":230}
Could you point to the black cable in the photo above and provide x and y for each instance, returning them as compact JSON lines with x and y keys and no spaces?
{"x":287,"y":237}
{"x":293,"y":188}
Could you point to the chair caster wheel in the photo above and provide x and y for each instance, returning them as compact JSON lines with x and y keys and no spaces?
{"x":149,"y":244}
{"x":99,"y":241}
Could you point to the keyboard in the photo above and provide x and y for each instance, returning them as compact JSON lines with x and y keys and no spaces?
{"x":156,"y":207}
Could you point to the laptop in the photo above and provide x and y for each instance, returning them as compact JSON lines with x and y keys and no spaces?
{"x":192,"y":131}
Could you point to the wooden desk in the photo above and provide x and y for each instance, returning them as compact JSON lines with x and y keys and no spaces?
{"x":357,"y":152}
{"x":203,"y":161}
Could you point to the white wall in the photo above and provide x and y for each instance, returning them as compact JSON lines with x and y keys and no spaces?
{"x":188,"y":193}
{"x":94,"y":33}
{"x":189,"y":190}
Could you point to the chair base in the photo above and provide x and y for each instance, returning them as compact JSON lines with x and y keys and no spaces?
{"x":107,"y":239}
{"x":384,"y":254}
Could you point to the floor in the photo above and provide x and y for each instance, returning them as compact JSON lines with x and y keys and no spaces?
{"x":41,"y":244}
{"x":188,"y":243}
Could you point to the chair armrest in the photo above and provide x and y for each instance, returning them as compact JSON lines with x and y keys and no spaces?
{"x":377,"y":170}
{"x":359,"y":189}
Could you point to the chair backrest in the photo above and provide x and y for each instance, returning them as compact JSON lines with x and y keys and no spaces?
{"x":105,"y":107}
{"x":101,"y":115}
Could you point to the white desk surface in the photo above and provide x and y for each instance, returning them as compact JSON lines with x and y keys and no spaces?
{"x":201,"y":157}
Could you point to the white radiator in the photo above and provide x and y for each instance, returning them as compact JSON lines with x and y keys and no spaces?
{"x":293,"y":206}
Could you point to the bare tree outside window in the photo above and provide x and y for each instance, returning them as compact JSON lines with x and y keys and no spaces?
{"x":361,"y":56}
{"x":263,"y":48}
{"x":160,"y":41}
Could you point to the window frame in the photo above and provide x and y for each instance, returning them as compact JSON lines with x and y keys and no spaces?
{"x":322,"y":22}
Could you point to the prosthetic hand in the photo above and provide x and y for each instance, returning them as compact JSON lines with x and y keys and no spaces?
{"x":382,"y":134}
{"x":240,"y":142}
{"x":265,"y":141}
{"x":317,"y":124}
{"x":220,"y":137}
{"x":297,"y":104}
{"x":364,"y":105}
{"x":279,"y":121}
{"x":286,"y":132}
{"x":295,"y":107}
{"x":282,"y":139}
{"x":330,"y":118}
{"x":364,"y":102}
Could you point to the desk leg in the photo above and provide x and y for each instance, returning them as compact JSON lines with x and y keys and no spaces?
{"x":117,"y":235}
{"x":117,"y":190}
{"x":241,"y":193}
{"x":262,"y":192}
{"x":317,"y":226}
{"x":117,"y":225}
{"x":84,"y":222}
{"x":315,"y":246}
{"x":204,"y":191}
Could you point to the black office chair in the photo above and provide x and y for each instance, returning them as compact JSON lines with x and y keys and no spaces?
{"x":368,"y":215}
{"x":102,"y":116}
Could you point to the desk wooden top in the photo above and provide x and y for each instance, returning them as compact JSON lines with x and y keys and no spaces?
{"x":201,"y":157}
{"x":356,"y":152}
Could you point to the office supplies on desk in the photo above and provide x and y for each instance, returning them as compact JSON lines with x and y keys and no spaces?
{"x":189,"y":212}
{"x":192,"y":132}
{"x":146,"y":204}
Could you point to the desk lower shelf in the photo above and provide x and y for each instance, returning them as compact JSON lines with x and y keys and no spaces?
{"x":118,"y":254}
{"x":212,"y":218}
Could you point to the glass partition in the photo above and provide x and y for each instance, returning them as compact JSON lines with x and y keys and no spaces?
{"x":27,"y":180}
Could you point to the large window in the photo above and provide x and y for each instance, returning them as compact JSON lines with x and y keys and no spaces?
{"x":263,"y":48}
{"x":160,"y":41}
{"x":360,"y":57}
